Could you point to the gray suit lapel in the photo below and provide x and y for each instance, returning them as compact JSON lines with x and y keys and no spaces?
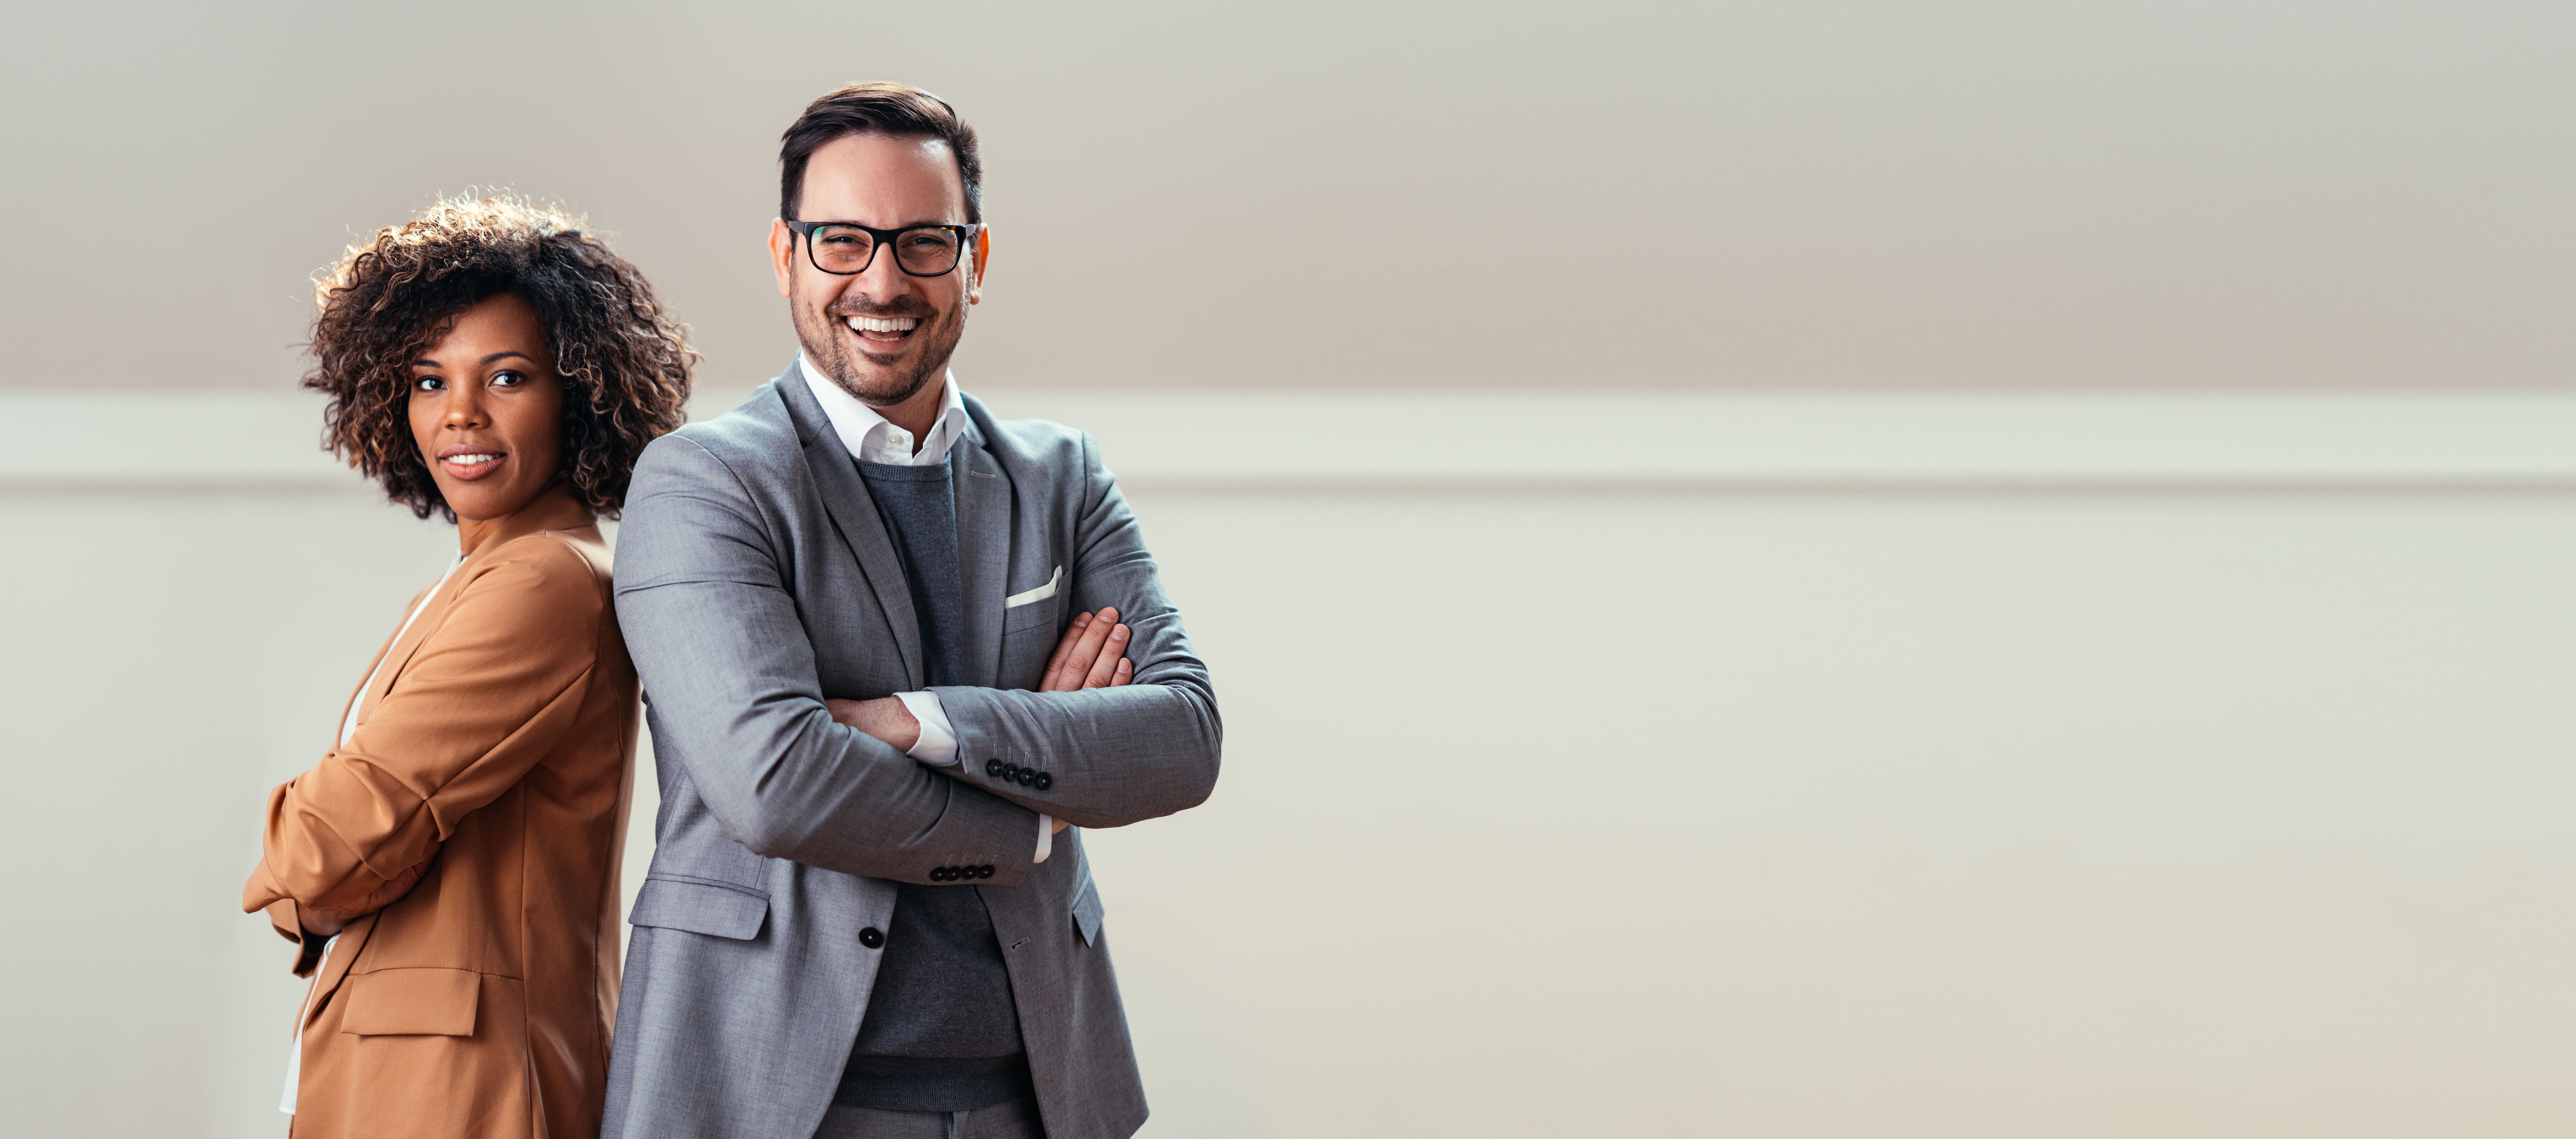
{"x":983,"y":553}
{"x":845,"y":497}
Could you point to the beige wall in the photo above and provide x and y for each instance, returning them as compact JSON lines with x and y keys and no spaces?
{"x":1340,"y":194}
{"x":1841,"y":768}
{"x":2010,"y":801}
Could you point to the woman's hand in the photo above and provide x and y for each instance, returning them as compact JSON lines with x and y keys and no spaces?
{"x":1093,"y":654}
{"x":322,"y":922}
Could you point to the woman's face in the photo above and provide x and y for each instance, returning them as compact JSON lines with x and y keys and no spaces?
{"x":487,"y":410}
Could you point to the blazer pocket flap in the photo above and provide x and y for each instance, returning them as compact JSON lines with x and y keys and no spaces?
{"x":411,"y":1002}
{"x":1086,"y":912}
{"x":699,"y":907}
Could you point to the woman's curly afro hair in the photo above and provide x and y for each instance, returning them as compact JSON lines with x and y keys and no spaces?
{"x":623,"y":361}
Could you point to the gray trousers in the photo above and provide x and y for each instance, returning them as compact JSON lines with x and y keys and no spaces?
{"x":1010,"y":1121}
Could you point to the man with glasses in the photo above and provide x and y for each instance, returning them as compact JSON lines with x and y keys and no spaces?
{"x":895,"y":654}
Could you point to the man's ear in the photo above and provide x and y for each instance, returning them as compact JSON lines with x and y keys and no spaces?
{"x":983,"y":253}
{"x":782,"y":253}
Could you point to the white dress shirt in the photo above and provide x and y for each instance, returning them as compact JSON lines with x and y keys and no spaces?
{"x":869,"y":438}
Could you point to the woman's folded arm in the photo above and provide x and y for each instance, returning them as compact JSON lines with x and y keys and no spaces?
{"x":489,"y":693}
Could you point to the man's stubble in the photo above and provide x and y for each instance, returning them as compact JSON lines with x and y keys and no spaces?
{"x":820,"y":332}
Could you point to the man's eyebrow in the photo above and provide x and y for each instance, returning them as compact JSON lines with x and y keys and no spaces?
{"x":906,"y":225}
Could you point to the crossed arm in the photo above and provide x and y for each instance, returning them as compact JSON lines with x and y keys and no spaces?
{"x":727,"y":657}
{"x":488,"y":694}
{"x":1091,"y":655}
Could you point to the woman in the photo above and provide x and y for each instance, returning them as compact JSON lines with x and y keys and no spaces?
{"x":449,"y":869}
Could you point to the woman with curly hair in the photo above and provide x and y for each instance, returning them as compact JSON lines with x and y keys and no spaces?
{"x":448,"y":871}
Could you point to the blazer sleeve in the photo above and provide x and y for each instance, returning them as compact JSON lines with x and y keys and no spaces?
{"x":1113,"y":756}
{"x":490,"y":691}
{"x":737,"y":703}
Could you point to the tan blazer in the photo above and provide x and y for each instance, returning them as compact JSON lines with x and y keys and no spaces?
{"x":502,"y":729}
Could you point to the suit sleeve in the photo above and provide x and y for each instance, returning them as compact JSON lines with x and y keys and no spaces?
{"x":489,"y":692}
{"x":736,"y":699}
{"x":1111,"y":756}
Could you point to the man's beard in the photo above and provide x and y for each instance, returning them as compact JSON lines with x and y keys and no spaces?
{"x":827,"y":346}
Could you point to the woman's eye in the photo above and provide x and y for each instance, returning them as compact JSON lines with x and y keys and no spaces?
{"x":428,"y":384}
{"x":507,"y":379}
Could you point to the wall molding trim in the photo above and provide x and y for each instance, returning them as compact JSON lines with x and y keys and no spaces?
{"x":1489,"y":442}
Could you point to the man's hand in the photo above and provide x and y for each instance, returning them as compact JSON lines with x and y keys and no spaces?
{"x":1077,"y":661}
{"x":884,"y":717}
{"x":1093,"y":654}
{"x":322,"y":922}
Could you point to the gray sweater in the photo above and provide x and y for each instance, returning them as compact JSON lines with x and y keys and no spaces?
{"x":940,"y":1033}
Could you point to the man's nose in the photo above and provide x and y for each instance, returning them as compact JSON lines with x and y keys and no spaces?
{"x":884,"y":278}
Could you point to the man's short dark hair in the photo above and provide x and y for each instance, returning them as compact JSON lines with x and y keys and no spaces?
{"x":894,"y":109}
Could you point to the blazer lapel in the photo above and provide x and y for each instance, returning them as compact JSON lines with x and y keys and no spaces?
{"x":556,"y":509}
{"x":983,"y":553}
{"x":360,"y":692}
{"x":854,"y":513}
{"x":397,"y":656}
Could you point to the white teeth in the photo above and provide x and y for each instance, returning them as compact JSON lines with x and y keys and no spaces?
{"x":473,"y":460}
{"x":883,"y":323}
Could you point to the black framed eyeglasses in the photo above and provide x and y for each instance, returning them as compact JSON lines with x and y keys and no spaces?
{"x":844,"y":248}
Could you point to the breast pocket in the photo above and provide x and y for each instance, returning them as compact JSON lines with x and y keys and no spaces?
{"x":1035,"y":607}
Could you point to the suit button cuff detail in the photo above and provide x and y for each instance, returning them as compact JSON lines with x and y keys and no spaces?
{"x":937,"y":746}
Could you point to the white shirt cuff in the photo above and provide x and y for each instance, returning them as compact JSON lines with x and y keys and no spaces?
{"x":938,"y":743}
{"x":938,"y":748}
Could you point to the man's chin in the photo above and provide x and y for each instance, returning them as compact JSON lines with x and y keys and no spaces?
{"x":885,"y":380}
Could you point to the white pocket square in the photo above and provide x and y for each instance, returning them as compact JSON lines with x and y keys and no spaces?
{"x":1041,"y":593}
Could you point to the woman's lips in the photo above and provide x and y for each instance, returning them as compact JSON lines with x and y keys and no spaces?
{"x":469,"y":467}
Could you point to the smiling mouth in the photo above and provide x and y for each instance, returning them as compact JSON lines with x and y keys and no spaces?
{"x":471,"y":465}
{"x":883,"y":330}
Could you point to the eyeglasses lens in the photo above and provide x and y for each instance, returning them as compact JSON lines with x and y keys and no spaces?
{"x":923,"y":252}
{"x":927,"y":251}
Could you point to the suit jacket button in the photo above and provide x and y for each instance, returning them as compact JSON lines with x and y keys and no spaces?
{"x":943,"y":873}
{"x":871,"y":938}
{"x":1010,"y":772}
{"x":992,"y":767}
{"x":1045,"y":780}
{"x":984,"y":871}
{"x":1027,"y":776}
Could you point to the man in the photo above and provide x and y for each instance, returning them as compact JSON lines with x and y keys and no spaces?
{"x":867,"y":914}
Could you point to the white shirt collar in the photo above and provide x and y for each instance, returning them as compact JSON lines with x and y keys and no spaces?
{"x":867,"y":435}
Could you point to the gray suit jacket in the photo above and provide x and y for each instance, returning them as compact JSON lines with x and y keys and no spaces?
{"x":754,"y":579}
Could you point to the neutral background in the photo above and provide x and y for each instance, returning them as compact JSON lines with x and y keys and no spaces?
{"x":1834,"y":569}
{"x":1357,"y":194}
